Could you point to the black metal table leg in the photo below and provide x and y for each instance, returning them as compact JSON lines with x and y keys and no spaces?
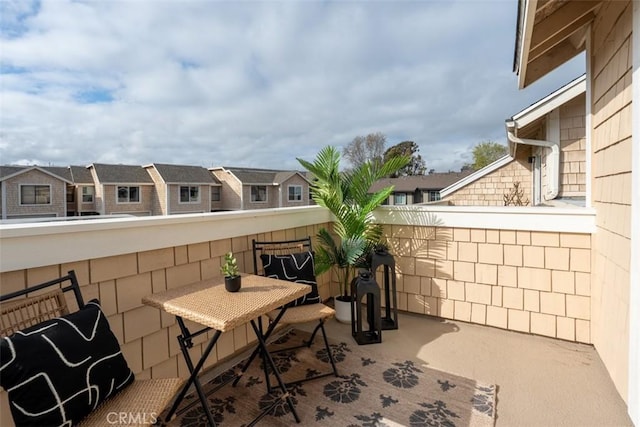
{"x":193,"y":378}
{"x":266,"y":336}
{"x":267,"y":358}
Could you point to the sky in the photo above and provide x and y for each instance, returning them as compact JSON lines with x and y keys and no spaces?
{"x":255,"y":83}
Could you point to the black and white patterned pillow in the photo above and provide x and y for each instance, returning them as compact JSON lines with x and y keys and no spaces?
{"x":58,"y":371}
{"x":296,"y":267}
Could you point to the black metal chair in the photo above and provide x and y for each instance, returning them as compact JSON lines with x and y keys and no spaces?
{"x":306,"y":310}
{"x":31,"y":306}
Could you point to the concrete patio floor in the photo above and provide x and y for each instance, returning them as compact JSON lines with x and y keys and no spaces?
{"x":541,"y":381}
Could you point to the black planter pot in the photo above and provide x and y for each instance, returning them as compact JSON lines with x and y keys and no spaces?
{"x":232,"y":284}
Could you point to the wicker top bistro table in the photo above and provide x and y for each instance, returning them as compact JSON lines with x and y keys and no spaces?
{"x":209,"y":304}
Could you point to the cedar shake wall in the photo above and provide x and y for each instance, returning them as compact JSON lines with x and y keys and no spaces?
{"x":160,"y":190}
{"x":490,"y":189}
{"x":58,"y":194}
{"x":231,"y":191}
{"x":572,"y":149}
{"x":295,"y":180}
{"x":145,"y":207}
{"x":611,"y":69}
{"x":271,"y":202}
{"x":176,"y":207}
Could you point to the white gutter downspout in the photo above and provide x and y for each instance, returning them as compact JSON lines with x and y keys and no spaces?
{"x":553,"y":160}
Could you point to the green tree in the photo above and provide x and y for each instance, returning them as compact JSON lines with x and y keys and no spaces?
{"x":364,"y":149}
{"x":486,"y":153}
{"x":346,"y":194}
{"x":416,"y":165}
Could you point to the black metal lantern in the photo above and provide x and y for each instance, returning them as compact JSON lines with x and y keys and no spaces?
{"x":379,"y":257}
{"x":365,"y":285}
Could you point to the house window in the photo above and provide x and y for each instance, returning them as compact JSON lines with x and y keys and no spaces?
{"x":258,"y":193}
{"x":87,"y":194}
{"x":215,"y":194}
{"x":128,"y":194}
{"x":295,"y":193}
{"x":400,"y":199}
{"x":35,"y":194}
{"x":189,"y":194}
{"x":434,"y":196}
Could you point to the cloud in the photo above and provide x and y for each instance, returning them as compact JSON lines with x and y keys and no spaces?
{"x":255,"y":83}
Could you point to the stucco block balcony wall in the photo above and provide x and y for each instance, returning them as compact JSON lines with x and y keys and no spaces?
{"x":532,"y":278}
{"x":524,"y":269}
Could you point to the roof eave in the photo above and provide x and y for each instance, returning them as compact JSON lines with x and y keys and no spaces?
{"x":526,"y":17}
{"x":550,"y":102}
{"x":476,"y":175}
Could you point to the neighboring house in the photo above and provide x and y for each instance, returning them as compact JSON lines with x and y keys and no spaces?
{"x":184,"y":189}
{"x":549,"y":33}
{"x":547,"y":146}
{"x":81,"y":197}
{"x":123,"y":189}
{"x":250,"y":188}
{"x":32,"y":192}
{"x":409,"y":190}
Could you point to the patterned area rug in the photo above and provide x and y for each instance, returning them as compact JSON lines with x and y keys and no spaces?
{"x":370,"y":391}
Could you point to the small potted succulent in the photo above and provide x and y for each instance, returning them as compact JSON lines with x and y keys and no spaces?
{"x":230,"y":271}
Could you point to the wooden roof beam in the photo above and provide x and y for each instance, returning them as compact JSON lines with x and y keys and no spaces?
{"x":542,"y":65}
{"x":560,"y":36}
{"x":556,"y":23}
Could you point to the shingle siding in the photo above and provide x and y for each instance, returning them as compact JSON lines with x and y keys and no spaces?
{"x":611,"y":153}
{"x":491,"y":188}
{"x":13,"y":208}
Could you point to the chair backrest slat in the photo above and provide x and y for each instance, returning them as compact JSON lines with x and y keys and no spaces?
{"x":22,"y":309}
{"x":282,"y":247}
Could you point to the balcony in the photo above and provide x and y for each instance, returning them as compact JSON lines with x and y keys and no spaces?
{"x":494,"y":294}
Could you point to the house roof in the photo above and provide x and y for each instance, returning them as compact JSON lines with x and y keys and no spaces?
{"x":262,"y":176}
{"x":474,"y":176}
{"x":81,"y":175}
{"x":10,"y":171}
{"x":548,"y":34}
{"x":60,"y":173}
{"x":407,"y":184}
{"x":121,"y":174}
{"x":184,"y":174}
{"x":550,"y":102}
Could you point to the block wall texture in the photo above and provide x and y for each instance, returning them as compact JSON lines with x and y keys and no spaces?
{"x":490,"y":189}
{"x":531,"y":282}
{"x":611,"y":153}
{"x":526,"y":281}
{"x":148,"y":336}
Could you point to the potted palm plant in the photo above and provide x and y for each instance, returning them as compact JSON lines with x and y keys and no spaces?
{"x":232,"y":278}
{"x":346,"y":194}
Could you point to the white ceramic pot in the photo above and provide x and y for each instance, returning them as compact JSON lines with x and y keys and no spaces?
{"x":343,"y":309}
